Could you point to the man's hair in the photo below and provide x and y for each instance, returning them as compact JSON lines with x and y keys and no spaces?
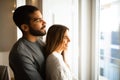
{"x":22,"y":14}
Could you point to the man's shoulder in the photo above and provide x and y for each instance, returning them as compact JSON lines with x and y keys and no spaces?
{"x":19,"y":43}
{"x":18,"y":46}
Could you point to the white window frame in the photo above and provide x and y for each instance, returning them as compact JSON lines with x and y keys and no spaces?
{"x":88,"y":37}
{"x":95,"y":39}
{"x":85,"y":38}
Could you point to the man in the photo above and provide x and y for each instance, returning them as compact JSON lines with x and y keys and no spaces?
{"x":26,"y":58}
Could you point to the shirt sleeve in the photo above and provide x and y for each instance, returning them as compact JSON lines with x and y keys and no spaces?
{"x":29,"y":68}
{"x":24,"y":66}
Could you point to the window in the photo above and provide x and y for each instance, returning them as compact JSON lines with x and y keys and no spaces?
{"x":109,"y":40}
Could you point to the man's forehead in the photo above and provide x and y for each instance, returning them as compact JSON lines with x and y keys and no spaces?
{"x":36,"y":14}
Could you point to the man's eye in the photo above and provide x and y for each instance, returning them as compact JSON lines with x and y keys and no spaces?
{"x":37,"y":19}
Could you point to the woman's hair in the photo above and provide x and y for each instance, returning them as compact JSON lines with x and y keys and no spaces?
{"x":54,"y":37}
{"x":22,"y":14}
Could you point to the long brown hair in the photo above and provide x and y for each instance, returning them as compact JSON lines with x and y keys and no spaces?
{"x":54,"y":37}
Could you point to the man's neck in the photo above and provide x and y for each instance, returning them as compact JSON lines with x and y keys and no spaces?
{"x":31,"y":38}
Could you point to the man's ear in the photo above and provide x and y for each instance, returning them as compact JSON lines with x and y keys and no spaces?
{"x":24,"y":27}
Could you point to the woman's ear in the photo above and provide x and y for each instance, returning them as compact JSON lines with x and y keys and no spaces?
{"x":24,"y":27}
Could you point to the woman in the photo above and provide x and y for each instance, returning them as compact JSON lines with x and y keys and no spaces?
{"x":57,"y":40}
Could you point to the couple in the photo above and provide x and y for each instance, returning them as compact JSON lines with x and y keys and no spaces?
{"x":30,"y":58}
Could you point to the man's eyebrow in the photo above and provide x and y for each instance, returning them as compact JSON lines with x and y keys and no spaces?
{"x":36,"y":19}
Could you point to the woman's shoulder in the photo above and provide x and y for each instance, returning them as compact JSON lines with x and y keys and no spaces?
{"x":54,"y":59}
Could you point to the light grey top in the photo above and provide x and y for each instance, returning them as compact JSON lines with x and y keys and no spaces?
{"x":56,"y":69}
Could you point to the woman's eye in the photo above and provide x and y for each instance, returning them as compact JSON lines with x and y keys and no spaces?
{"x":65,"y":37}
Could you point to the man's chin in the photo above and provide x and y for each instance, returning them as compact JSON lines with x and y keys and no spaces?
{"x":39,"y":34}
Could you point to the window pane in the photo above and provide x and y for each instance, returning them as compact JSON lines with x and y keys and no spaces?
{"x":109,"y":40}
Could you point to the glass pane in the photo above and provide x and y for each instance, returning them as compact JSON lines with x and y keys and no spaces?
{"x":109,"y":40}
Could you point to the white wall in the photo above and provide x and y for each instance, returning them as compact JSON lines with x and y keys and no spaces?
{"x":4,"y":58}
{"x":4,"y":61}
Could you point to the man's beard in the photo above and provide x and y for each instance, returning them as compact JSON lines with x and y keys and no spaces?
{"x":37,"y":32}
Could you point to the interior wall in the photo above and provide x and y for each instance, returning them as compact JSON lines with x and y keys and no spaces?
{"x":4,"y":61}
{"x":37,"y":3}
{"x":8,"y":32}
